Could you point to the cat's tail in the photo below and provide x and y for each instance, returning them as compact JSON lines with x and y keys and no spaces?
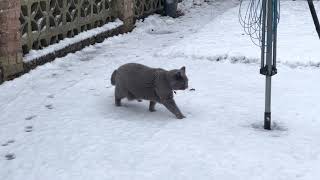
{"x":113,"y":77}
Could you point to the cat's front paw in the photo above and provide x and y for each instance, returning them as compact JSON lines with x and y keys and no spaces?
{"x":180,"y":116}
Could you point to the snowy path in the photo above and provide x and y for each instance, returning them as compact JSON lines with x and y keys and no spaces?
{"x":77,"y":132}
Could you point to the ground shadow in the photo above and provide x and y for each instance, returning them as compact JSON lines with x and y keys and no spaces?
{"x":277,"y":129}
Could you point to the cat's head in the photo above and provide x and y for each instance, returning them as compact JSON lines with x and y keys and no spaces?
{"x":178,"y":79}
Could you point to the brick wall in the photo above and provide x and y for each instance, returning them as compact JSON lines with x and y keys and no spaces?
{"x":10,"y":46}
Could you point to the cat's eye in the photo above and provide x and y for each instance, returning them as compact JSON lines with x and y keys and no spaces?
{"x":178,"y":76}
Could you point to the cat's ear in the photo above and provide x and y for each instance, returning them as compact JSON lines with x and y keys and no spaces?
{"x":183,"y":69}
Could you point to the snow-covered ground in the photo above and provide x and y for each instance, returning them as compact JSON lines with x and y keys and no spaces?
{"x":61,"y":122}
{"x":224,"y":38}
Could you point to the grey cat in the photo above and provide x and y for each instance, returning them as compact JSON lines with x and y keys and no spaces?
{"x":136,"y":82}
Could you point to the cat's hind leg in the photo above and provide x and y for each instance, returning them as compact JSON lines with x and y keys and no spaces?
{"x":118,"y":101}
{"x":118,"y":95}
{"x":152,"y":106}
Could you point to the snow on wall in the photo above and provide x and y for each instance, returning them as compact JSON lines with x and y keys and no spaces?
{"x":34,"y":54}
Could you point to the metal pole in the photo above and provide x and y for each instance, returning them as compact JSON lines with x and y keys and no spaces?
{"x":269,"y":57}
{"x":263,"y":40}
{"x":275,"y":33}
{"x":314,"y":16}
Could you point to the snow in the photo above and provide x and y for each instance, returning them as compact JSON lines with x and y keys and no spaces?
{"x":224,"y":39}
{"x":34,"y":54}
{"x":77,"y":133}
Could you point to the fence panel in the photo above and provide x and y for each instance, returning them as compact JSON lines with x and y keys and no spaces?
{"x":45,"y":22}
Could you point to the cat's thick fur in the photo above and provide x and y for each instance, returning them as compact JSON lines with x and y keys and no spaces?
{"x":136,"y":82}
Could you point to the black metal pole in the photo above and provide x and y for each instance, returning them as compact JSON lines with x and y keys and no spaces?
{"x":314,"y":16}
